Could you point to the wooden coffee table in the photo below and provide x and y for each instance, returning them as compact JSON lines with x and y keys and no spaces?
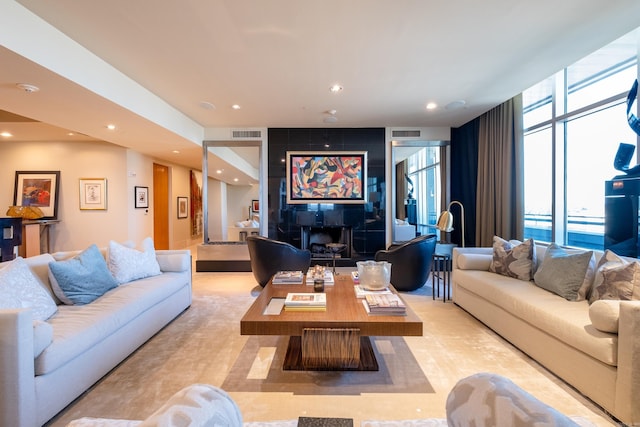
{"x":335,"y":339}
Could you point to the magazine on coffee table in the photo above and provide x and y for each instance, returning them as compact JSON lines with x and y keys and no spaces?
{"x":362,"y":292}
{"x":288,"y":277}
{"x":306,"y":299}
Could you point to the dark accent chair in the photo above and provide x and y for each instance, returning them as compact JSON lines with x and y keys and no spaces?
{"x":270,"y":256}
{"x":410,"y":262}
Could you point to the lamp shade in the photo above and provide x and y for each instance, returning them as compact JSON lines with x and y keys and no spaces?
{"x":445,"y":222}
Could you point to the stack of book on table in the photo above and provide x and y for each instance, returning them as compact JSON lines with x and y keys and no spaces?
{"x":290,"y":277}
{"x":384,"y":304}
{"x":326,"y":275}
{"x":361,"y":292}
{"x":303,"y":301}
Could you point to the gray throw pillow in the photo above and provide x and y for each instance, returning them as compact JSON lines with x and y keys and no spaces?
{"x":563,"y":273}
{"x":81,"y":279}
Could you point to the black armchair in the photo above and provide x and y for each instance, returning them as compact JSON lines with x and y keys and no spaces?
{"x":270,"y":256}
{"x":410,"y":262}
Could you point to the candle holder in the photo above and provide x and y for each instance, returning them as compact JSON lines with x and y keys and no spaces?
{"x":335,"y":249}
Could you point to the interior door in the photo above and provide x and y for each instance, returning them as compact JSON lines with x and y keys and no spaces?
{"x":160,"y":206}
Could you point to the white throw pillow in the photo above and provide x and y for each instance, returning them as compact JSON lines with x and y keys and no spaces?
{"x":198,"y":405}
{"x":128,"y":264}
{"x":20,"y":289}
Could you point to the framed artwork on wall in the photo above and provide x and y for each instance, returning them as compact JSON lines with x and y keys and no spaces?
{"x":183,"y":207}
{"x":38,"y":188}
{"x":141,"y":195}
{"x":93,"y":193}
{"x":326,"y":177}
{"x":255,"y":206}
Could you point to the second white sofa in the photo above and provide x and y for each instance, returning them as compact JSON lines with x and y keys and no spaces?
{"x":602,"y":364}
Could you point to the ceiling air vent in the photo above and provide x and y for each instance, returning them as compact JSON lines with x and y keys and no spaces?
{"x":246,"y":134}
{"x":405,"y":133}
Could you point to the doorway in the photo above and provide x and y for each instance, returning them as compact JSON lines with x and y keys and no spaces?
{"x":160,"y":206}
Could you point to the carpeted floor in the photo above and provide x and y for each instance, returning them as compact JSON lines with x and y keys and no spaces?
{"x":204,"y":345}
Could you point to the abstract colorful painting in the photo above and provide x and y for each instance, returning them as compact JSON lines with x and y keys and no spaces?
{"x":329,"y":177}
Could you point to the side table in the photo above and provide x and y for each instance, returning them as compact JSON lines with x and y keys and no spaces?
{"x":441,"y":270}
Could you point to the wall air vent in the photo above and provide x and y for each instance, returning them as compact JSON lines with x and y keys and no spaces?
{"x":246,"y":134}
{"x":405,"y":134}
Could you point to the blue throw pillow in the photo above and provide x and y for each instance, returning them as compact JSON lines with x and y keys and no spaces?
{"x":81,"y":279}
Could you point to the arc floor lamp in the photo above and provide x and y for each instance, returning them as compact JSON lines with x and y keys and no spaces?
{"x":445,"y":220}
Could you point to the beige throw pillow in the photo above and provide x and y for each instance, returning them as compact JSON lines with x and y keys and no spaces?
{"x":604,"y":315}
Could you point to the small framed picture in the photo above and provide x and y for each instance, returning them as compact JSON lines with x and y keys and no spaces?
{"x":183,"y":207}
{"x":36,"y":188}
{"x":93,"y":194}
{"x":255,"y":206}
{"x":141,"y":197}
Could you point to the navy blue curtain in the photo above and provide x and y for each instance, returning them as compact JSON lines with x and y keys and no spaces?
{"x":464,"y":172}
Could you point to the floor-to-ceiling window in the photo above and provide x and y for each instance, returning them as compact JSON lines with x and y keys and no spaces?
{"x":423,"y":168}
{"x":574,"y":122}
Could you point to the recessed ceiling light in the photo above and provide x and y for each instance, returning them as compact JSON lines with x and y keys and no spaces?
{"x":207,"y":105}
{"x":111,"y":127}
{"x":27,"y":87}
{"x":176,"y":152}
{"x":6,"y":134}
{"x":282,"y":160}
{"x":456,"y":104}
{"x":335,"y":88}
{"x":219,"y":171}
{"x":432,"y":106}
{"x":236,"y":107}
{"x":235,"y":179}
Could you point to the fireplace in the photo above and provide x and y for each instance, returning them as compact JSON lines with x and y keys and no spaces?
{"x":315,"y":238}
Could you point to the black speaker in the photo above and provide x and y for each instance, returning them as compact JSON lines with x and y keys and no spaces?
{"x":624,"y":156}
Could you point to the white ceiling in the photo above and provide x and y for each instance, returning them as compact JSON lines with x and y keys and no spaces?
{"x":147,"y":65}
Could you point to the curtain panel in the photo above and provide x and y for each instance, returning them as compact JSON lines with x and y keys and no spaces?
{"x":463,"y":180}
{"x":500,"y":179}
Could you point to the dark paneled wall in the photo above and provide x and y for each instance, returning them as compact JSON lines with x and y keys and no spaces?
{"x":367,"y":221}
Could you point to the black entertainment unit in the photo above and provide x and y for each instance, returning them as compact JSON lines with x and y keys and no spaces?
{"x":621,"y":205}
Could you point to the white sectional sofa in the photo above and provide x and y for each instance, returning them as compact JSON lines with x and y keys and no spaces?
{"x":602,"y":363}
{"x":44,"y":368}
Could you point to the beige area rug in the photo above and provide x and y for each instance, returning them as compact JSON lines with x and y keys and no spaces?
{"x":204,"y":345}
{"x":398,"y":371}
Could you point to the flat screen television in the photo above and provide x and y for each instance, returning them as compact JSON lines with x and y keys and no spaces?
{"x":326,"y":177}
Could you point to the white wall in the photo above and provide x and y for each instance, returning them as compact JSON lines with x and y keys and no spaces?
{"x":139,"y":172}
{"x":123,"y":169}
{"x":239,"y":199}
{"x":217,"y":196}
